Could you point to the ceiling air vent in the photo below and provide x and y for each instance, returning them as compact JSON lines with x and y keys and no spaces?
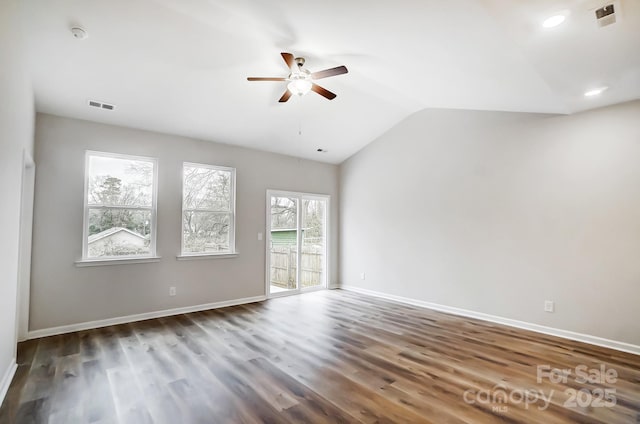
{"x":101,"y":105}
{"x":607,"y":15}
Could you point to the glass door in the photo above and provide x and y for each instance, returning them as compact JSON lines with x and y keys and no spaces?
{"x":282,"y":240}
{"x":313,"y":246}
{"x":296,"y":242}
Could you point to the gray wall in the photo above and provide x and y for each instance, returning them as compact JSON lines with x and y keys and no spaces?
{"x":497,"y":212}
{"x":16,"y":135}
{"x":64,"y":294}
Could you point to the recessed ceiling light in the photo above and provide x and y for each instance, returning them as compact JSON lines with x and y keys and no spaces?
{"x":595,"y":92}
{"x":553,"y":21}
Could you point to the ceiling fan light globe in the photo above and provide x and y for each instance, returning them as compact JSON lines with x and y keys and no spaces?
{"x":299,"y":86}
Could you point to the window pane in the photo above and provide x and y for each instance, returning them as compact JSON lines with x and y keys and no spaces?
{"x":119,"y":232}
{"x":206,"y":232}
{"x":284,"y":213}
{"x":313,"y":243}
{"x":207,"y":188}
{"x":120,"y":182}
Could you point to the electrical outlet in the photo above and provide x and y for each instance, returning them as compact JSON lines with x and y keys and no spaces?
{"x":362,"y":275}
{"x":259,"y":236}
{"x":172,"y":291}
{"x":549,"y":306}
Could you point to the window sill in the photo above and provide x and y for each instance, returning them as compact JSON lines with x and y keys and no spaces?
{"x":206,"y":256}
{"x":120,"y":261}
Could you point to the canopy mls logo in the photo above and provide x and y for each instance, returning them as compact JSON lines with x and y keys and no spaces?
{"x":500,"y":396}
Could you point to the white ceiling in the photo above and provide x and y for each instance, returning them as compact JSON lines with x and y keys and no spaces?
{"x":180,"y":67}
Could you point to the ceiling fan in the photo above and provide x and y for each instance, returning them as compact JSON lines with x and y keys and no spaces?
{"x":301,"y":80}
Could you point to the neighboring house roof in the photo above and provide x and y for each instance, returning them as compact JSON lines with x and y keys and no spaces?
{"x":112,"y":231}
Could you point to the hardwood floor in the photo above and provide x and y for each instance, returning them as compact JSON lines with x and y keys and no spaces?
{"x":329,"y":356}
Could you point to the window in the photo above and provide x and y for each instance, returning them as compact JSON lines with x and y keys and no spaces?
{"x":120,"y":206}
{"x":208,"y":209}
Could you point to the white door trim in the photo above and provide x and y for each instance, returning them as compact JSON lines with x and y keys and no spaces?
{"x":24,"y":250}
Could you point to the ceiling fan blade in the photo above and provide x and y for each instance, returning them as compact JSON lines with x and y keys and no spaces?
{"x":288,"y":58}
{"x":285,"y":96}
{"x":339,"y":70}
{"x":323,"y":91}
{"x":266,"y":79}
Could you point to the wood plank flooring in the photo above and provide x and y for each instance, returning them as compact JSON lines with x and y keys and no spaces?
{"x":323,"y":357}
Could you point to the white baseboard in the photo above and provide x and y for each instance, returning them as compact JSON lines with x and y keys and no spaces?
{"x":586,"y":338}
{"x":7,"y":378}
{"x":54,"y":331}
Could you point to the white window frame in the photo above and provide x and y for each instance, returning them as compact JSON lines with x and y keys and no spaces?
{"x":232,"y":213}
{"x":154,"y":211}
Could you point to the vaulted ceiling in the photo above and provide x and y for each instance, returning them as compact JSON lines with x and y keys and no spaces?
{"x":180,"y":67}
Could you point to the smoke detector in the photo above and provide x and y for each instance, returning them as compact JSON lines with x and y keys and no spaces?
{"x":79,"y":33}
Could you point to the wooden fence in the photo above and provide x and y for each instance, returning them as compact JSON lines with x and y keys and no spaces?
{"x":284,"y":260}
